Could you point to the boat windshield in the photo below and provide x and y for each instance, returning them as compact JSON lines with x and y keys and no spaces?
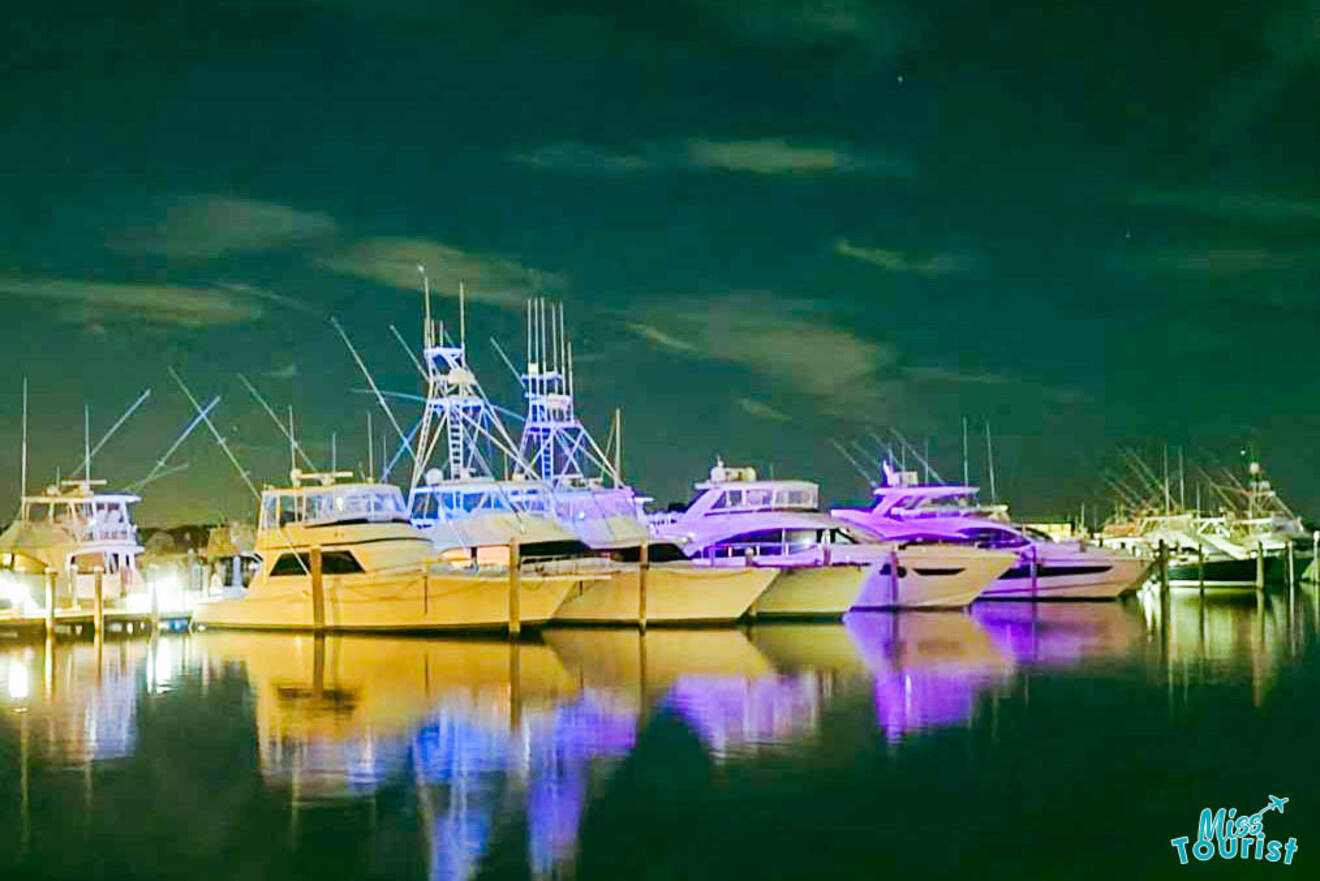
{"x":333,"y":504}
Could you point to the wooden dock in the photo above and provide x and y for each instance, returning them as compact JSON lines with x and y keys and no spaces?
{"x":79,"y":623}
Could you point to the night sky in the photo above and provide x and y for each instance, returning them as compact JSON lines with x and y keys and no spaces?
{"x":772,"y":222}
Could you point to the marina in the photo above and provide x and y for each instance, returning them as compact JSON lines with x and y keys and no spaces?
{"x":782,"y":440}
{"x":449,"y":758}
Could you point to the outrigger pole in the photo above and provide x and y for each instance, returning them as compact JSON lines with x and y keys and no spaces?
{"x":295,"y":449}
{"x":88,"y":450}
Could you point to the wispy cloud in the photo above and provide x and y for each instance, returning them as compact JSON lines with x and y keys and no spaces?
{"x":91,"y":302}
{"x":933,"y":266}
{"x":876,"y":27}
{"x":923,"y":375}
{"x":199,"y":227}
{"x":578,"y":158}
{"x":1232,"y":205}
{"x":1220,"y":262}
{"x":783,"y":340}
{"x":943,"y":374}
{"x":780,"y":156}
{"x":664,"y":340}
{"x":761,"y":410}
{"x":758,"y":156}
{"x":488,"y":277}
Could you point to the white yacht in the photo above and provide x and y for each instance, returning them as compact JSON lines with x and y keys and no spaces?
{"x":75,"y":530}
{"x":826,"y":566}
{"x":378,"y":571}
{"x":1042,"y":568}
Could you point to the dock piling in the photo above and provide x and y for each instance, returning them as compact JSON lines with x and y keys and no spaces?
{"x":50,"y":602}
{"x":1035,"y":568}
{"x":1260,"y":566}
{"x":318,"y":589}
{"x":1292,"y":564}
{"x":515,"y":589}
{"x":893,"y":579}
{"x":98,"y":609}
{"x":643,"y":567}
{"x":1200,"y":568}
{"x":1164,"y":568}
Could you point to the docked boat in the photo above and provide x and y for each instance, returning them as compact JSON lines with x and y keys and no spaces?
{"x":1243,"y":544}
{"x":589,"y":498}
{"x":826,"y":566}
{"x":1042,"y":569}
{"x":76,"y":530}
{"x":344,"y":556}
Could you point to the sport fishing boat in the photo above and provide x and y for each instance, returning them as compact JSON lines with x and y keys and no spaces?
{"x":1042,"y":568}
{"x":1242,"y":544}
{"x":588,"y":497}
{"x":826,"y":566}
{"x":376,"y":570}
{"x":75,"y":530}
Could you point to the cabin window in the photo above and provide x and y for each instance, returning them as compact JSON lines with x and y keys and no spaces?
{"x":994,"y":538}
{"x":757,"y":498}
{"x":762,"y":541}
{"x":801,"y":539}
{"x":332,"y":563}
{"x":732,"y":498}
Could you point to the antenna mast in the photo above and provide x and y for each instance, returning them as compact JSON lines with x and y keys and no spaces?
{"x":23,"y":480}
{"x":371,"y":451}
{"x":87,"y":442}
{"x":990,"y":462}
{"x":966,"y":478}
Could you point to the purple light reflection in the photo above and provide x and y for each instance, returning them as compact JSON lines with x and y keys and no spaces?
{"x":930,"y":668}
{"x":730,"y":713}
{"x":1059,"y":633}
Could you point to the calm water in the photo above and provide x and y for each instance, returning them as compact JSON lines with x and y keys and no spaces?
{"x":1057,"y":741}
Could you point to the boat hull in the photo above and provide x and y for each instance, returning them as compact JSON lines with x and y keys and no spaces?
{"x":928,"y":577}
{"x":933,"y":577}
{"x":676,"y":593}
{"x":1079,"y":577}
{"x":1225,"y":573}
{"x":411,"y":602}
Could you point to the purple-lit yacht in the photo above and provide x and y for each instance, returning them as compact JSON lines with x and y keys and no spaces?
{"x":826,"y":567}
{"x":1042,"y":568}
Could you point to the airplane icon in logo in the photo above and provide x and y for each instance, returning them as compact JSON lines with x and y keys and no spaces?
{"x":1276,"y":804}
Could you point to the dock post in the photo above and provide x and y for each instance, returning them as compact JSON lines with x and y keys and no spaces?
{"x":643,"y":568}
{"x":153,"y":591}
{"x":1260,"y":566}
{"x":318,"y":590}
{"x":1292,"y":564}
{"x":894,"y":579}
{"x":515,"y":589}
{"x":1164,"y":568}
{"x":50,"y":602}
{"x":1200,"y":568}
{"x":98,"y":610}
{"x":1035,"y":568}
{"x":1315,"y":557}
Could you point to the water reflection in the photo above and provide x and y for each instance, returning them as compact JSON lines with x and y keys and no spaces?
{"x":930,"y":669}
{"x":1061,"y":633}
{"x":474,"y":752}
{"x":81,"y":698}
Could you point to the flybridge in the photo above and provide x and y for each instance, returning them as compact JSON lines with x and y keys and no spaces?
{"x":737,"y":490}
